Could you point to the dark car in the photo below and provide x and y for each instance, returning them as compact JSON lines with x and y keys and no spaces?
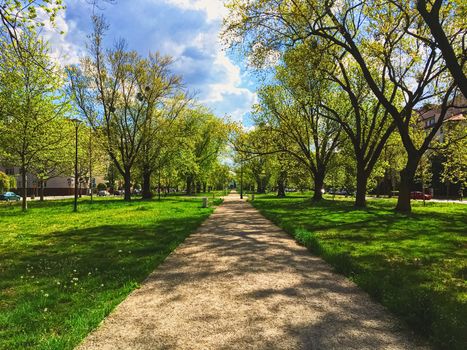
{"x":10,"y":196}
{"x":420,"y":195}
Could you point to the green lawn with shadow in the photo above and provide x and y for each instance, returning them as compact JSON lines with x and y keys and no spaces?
{"x":415,"y":265}
{"x":61,"y":272}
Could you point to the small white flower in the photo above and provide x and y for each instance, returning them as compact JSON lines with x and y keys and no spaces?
{"x":102,"y":285}
{"x":89,"y":273}
{"x":46,"y":295}
{"x":119,"y":250}
{"x":58,"y":283}
{"x":45,"y":309}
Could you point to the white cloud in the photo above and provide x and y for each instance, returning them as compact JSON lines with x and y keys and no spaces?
{"x":214,"y":9}
{"x":188,"y":30}
{"x":63,"y":50}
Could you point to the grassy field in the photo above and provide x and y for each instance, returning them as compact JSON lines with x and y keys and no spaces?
{"x":415,"y":265}
{"x":61,"y":273}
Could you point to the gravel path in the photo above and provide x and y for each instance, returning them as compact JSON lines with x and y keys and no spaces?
{"x":242,"y":283}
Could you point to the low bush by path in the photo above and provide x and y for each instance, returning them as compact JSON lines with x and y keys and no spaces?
{"x":61,"y":273}
{"x":415,"y":265}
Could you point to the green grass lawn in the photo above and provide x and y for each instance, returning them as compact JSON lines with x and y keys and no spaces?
{"x":415,"y":265}
{"x":211,"y":194}
{"x":61,"y":272}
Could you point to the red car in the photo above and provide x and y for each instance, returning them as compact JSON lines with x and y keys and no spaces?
{"x":420,"y":195}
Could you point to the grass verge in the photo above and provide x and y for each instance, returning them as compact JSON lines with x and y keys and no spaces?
{"x":415,"y":265}
{"x":61,"y":273}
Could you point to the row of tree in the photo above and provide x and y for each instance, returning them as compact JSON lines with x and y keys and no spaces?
{"x":134,"y":118}
{"x":349,"y":74}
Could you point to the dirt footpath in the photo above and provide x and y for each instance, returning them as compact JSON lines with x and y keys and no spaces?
{"x":240,"y":282}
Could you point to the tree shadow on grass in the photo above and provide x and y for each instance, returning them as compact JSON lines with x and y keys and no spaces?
{"x":77,"y":276}
{"x":413,"y":264}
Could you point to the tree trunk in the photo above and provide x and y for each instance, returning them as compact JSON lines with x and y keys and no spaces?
{"x":41,"y":190}
{"x":127,"y":179}
{"x":189,"y":185}
{"x":281,"y":185}
{"x":362,"y":181}
{"x":319,"y":182}
{"x":24,"y":204}
{"x":259,"y":185}
{"x":146,"y":185}
{"x":407,"y":176}
{"x":204,"y":187}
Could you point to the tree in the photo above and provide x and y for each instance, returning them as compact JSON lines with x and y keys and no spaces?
{"x":255,"y":153}
{"x":19,"y":15}
{"x":161,"y":133}
{"x":56,"y":161}
{"x":385,"y":39}
{"x":434,"y":14}
{"x":208,"y":136}
{"x":117,"y":92}
{"x":452,"y":149}
{"x":4,"y":182}
{"x":292,"y":112}
{"x":350,"y":104}
{"x":35,"y":108}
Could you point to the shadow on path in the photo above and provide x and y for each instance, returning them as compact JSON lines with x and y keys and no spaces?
{"x":242,"y":283}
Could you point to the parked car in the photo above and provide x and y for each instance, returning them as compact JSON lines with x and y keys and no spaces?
{"x":103,"y":193}
{"x":119,"y":192}
{"x":342,"y":192}
{"x":10,"y":196}
{"x":420,"y":195}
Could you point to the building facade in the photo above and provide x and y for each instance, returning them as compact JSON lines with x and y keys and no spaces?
{"x":56,"y":186}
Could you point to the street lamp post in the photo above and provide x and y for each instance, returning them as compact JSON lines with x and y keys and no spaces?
{"x":241,"y":179}
{"x":75,"y":203}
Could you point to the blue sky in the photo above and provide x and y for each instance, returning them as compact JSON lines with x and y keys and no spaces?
{"x":187,"y":30}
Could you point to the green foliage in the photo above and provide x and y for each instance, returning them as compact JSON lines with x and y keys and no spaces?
{"x":62,"y":273}
{"x":453,"y":149}
{"x":4,"y":182}
{"x":206,"y":140}
{"x":414,"y":265}
{"x":23,"y":14}
{"x":385,"y":45}
{"x":33,"y":106}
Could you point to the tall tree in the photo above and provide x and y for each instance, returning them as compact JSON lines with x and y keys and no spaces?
{"x":36,"y":108}
{"x":160,"y":133}
{"x":117,"y":92}
{"x":385,"y":39}
{"x":292,"y":112}
{"x":366,"y":124}
{"x":208,"y":136}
